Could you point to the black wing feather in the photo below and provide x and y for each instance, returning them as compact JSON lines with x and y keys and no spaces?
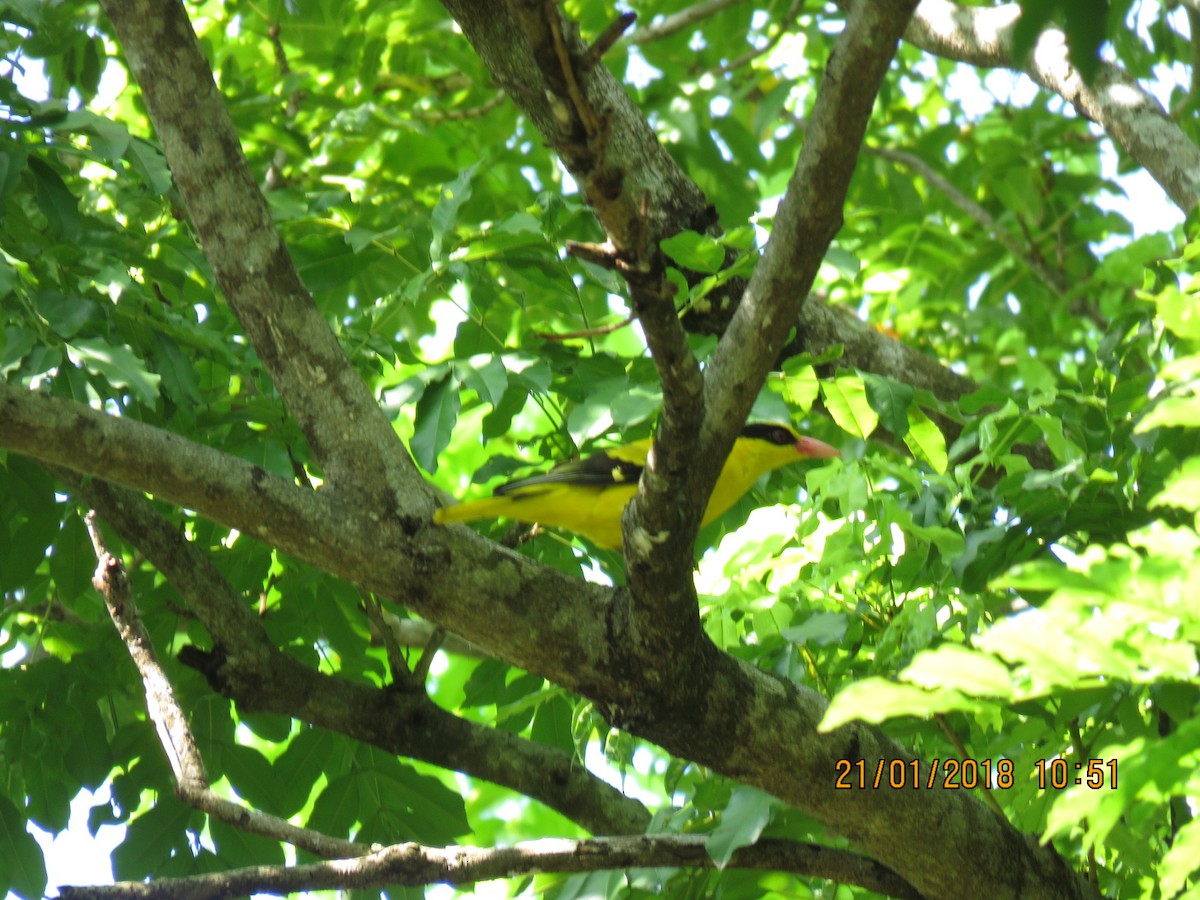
{"x":597,"y":470}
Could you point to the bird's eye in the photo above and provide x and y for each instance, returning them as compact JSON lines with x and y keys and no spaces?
{"x":781,"y":437}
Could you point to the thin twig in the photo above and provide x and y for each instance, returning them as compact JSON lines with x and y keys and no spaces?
{"x":766,"y":48}
{"x":458,"y":115}
{"x":585,"y":333}
{"x":607,"y":38}
{"x":191,"y":781}
{"x":591,"y":123}
{"x":680,"y":20}
{"x":961,"y":750}
{"x":604,"y":255}
{"x":414,"y":864}
{"x":274,"y":177}
{"x":421,"y":669}
{"x":379,"y":626}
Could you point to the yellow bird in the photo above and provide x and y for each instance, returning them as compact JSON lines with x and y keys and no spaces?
{"x":588,"y":496}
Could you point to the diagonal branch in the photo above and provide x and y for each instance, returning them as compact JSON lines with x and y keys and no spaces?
{"x":808,"y":218}
{"x":247,"y":668}
{"x":347,"y":431}
{"x":746,"y":723}
{"x":174,"y":733}
{"x":983,"y":36}
{"x":322,"y":529}
{"x":685,"y":18}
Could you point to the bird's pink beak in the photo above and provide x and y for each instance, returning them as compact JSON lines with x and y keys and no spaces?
{"x":807,"y":446}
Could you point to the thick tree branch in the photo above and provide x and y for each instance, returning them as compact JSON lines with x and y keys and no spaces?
{"x":623,"y":169}
{"x":745,"y":723}
{"x":345,"y":427}
{"x":983,"y":36}
{"x":247,"y":668}
{"x":808,"y":218}
{"x":318,"y":527}
{"x":412,"y":865}
{"x":719,"y":696}
{"x":125,"y":451}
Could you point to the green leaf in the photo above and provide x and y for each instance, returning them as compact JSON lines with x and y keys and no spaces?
{"x":1182,"y":488}
{"x":12,"y":163}
{"x":55,"y":200}
{"x":694,"y":251}
{"x":250,"y":774}
{"x":66,"y":315}
{"x":846,"y":399}
{"x":151,"y":839}
{"x":22,"y":869}
{"x":891,"y":399}
{"x":119,"y":366}
{"x":148,"y":161}
{"x":445,"y":212}
{"x":18,"y":343}
{"x":1181,"y":862}
{"x":847,"y":264}
{"x":436,"y":413}
{"x":875,"y":700}
{"x":820,"y":629}
{"x":1171,"y":412}
{"x":961,"y":669}
{"x":926,"y":441}
{"x":1180,"y":312}
{"x":742,"y":822}
{"x":800,"y":387}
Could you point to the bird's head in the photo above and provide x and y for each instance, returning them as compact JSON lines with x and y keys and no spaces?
{"x":779,"y":435}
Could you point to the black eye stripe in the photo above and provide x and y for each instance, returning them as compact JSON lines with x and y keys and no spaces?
{"x":772,"y":433}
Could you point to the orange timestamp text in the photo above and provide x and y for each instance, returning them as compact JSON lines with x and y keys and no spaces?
{"x":968,"y":774}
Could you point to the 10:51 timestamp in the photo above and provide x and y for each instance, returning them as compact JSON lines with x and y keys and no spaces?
{"x":1058,"y":773}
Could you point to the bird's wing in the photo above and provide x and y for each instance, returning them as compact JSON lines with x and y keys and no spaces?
{"x":619,"y":466}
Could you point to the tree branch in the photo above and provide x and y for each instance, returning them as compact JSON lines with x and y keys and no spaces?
{"x":1026,"y":253}
{"x":983,"y":36}
{"x":344,"y":426}
{"x":411,"y":865}
{"x":745,"y":723}
{"x":171,"y":723}
{"x":619,"y":175}
{"x":807,"y":220}
{"x":685,"y":18}
{"x":247,"y":668}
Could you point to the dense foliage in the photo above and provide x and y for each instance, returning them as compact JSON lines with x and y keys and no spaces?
{"x":1001,"y":571}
